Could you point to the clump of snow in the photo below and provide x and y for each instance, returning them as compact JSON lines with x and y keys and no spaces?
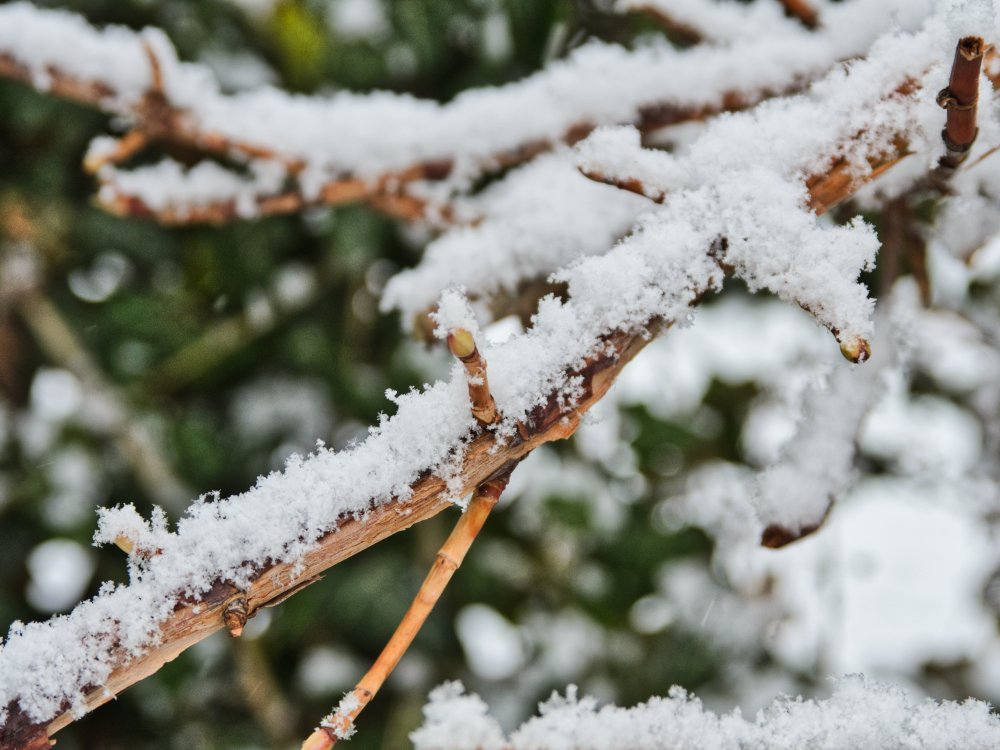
{"x":169,"y":185}
{"x":454,"y":312}
{"x":859,"y":714}
{"x":348,"y":704}
{"x":457,"y":720}
{"x":537,"y":219}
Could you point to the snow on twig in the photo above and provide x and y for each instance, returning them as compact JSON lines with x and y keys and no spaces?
{"x":384,"y":140}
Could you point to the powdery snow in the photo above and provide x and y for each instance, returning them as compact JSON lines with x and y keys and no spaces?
{"x":376,"y":133}
{"x":743,"y":180}
{"x":859,"y":714}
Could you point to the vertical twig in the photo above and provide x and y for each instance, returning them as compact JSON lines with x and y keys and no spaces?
{"x":960,"y":98}
{"x":463,"y":345}
{"x":340,"y":724}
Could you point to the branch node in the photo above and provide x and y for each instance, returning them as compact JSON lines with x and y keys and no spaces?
{"x":235,"y":615}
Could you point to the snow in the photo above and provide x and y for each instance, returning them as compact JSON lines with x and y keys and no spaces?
{"x":454,"y":313}
{"x":723,"y":21}
{"x":226,"y":539}
{"x":60,"y":570}
{"x":492,"y":644}
{"x":537,"y":219}
{"x":169,"y":185}
{"x":742,"y":180}
{"x":859,"y":714}
{"x":380,"y":133}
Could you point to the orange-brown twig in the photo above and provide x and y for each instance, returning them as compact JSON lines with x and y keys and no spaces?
{"x":340,"y":724}
{"x":676,"y":30}
{"x":463,"y":345}
{"x":803,"y":11}
{"x":960,"y":98}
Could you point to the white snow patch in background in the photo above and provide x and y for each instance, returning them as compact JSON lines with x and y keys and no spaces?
{"x":56,"y":395}
{"x":912,"y":565}
{"x":493,"y":646}
{"x":859,"y":714}
{"x":60,"y":570}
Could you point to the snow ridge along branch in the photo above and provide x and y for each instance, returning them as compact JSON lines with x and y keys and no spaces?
{"x":300,"y":151}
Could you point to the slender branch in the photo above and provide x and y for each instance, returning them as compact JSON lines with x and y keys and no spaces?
{"x":133,"y":440}
{"x":826,"y":189}
{"x":340,"y":724}
{"x":463,"y":346}
{"x":803,"y":11}
{"x":158,"y":119}
{"x":960,"y":98}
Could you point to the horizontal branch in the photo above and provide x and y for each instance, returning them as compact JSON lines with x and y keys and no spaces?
{"x":389,"y":140}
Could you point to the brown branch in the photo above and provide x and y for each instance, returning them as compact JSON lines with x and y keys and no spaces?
{"x":826,"y":189}
{"x":340,"y":724}
{"x":842,"y":180}
{"x":157,"y":120}
{"x":960,"y":98}
{"x":191,"y":621}
{"x":802,"y":11}
{"x":463,"y":346}
{"x":679,"y":31}
{"x":194,"y":621}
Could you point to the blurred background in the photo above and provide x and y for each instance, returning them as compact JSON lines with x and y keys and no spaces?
{"x":149,"y":365}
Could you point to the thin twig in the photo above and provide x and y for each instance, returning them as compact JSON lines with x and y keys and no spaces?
{"x":960,"y":98}
{"x":463,"y":346}
{"x":134,"y":441}
{"x":803,"y":11}
{"x":340,"y":724}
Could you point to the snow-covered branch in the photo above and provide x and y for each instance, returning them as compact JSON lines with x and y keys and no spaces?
{"x":742,"y":199}
{"x":301,"y":151}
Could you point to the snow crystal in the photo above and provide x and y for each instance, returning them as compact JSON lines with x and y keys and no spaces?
{"x":453,"y":312}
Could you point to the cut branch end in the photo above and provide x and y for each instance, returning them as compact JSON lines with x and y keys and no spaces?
{"x":960,"y":99}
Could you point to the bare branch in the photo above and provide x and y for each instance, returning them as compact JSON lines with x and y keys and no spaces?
{"x":960,"y":99}
{"x":340,"y":724}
